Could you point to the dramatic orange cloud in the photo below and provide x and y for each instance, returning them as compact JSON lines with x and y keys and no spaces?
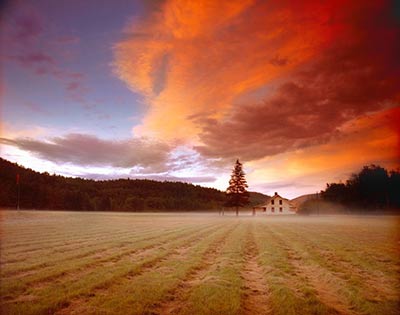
{"x":293,"y":80}
{"x":195,"y":58}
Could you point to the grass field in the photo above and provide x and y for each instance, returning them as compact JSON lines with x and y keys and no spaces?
{"x":120,"y":263}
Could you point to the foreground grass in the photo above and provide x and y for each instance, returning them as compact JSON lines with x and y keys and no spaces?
{"x":116,"y":263}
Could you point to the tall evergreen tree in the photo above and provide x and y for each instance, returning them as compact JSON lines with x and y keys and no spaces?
{"x":236,"y":193}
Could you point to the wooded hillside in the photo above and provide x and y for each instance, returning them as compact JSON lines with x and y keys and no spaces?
{"x":45,"y":191}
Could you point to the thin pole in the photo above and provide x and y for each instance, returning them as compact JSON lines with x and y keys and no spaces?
{"x":18,"y":197}
{"x":18,"y":191}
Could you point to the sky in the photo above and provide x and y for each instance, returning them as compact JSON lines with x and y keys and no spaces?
{"x":304,"y":93}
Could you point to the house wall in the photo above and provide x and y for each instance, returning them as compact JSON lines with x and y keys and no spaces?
{"x":277,"y":208}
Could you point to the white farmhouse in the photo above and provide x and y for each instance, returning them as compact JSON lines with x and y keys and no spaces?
{"x":276,"y":205}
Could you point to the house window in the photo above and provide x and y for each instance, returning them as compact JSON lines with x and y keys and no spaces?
{"x":272,"y":202}
{"x":272,"y":209}
{"x":280,"y":209}
{"x":264,"y":209}
{"x":280,"y":202}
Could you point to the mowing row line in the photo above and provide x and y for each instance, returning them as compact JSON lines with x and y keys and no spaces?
{"x":328,"y":299}
{"x":82,"y":235}
{"x":116,"y":240}
{"x":255,"y":297}
{"x":41,"y":234}
{"x":57,"y":271}
{"x":356,"y":290}
{"x":81,"y":267}
{"x":45,"y":262}
{"x":62,"y":246}
{"x":370,"y":258}
{"x":80,"y":225}
{"x":100,"y":276}
{"x":356,"y":270}
{"x":289,"y":292}
{"x":176,"y":297}
{"x":139,"y":293}
{"x":218,"y":288}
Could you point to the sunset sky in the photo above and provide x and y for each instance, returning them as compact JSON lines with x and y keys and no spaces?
{"x":302,"y":92}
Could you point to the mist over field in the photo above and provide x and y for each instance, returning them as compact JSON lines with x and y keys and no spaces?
{"x":180,"y":263}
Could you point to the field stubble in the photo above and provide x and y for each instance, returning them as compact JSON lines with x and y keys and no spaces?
{"x":121,"y":263}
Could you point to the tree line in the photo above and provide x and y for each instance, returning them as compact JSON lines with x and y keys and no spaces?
{"x":45,"y":191}
{"x":372,"y":189}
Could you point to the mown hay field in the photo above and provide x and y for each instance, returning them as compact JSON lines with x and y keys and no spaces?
{"x":123,"y":263}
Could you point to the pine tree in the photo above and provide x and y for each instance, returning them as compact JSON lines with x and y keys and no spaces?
{"x":236,"y":193}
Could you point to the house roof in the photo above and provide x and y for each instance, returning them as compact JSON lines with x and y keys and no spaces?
{"x":275,"y":196}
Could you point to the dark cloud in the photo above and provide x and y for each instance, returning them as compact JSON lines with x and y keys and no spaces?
{"x":27,"y":25}
{"x":76,"y":87}
{"x":279,"y":61}
{"x":32,"y":59}
{"x":357,"y":74}
{"x":29,"y":42}
{"x":67,"y":40}
{"x":160,"y":73}
{"x":88,"y":150}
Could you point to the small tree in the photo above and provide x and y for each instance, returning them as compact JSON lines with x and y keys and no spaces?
{"x":236,"y":193}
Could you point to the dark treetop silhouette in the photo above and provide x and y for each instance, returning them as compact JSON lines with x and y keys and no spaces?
{"x":236,"y":193}
{"x":372,"y":188}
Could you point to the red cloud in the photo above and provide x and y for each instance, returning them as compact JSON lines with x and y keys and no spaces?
{"x":357,"y":73}
{"x":252,"y":79}
{"x":200,"y":56}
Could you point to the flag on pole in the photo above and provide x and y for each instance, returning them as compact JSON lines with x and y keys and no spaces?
{"x":17,"y":179}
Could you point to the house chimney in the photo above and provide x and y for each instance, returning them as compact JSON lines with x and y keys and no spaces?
{"x":276,"y":194}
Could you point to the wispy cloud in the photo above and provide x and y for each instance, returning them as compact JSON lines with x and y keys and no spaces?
{"x":33,"y":58}
{"x":89,"y":150}
{"x":27,"y":42}
{"x":35,"y":108}
{"x":67,"y":40}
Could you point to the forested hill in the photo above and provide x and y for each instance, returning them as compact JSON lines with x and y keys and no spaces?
{"x":45,"y":191}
